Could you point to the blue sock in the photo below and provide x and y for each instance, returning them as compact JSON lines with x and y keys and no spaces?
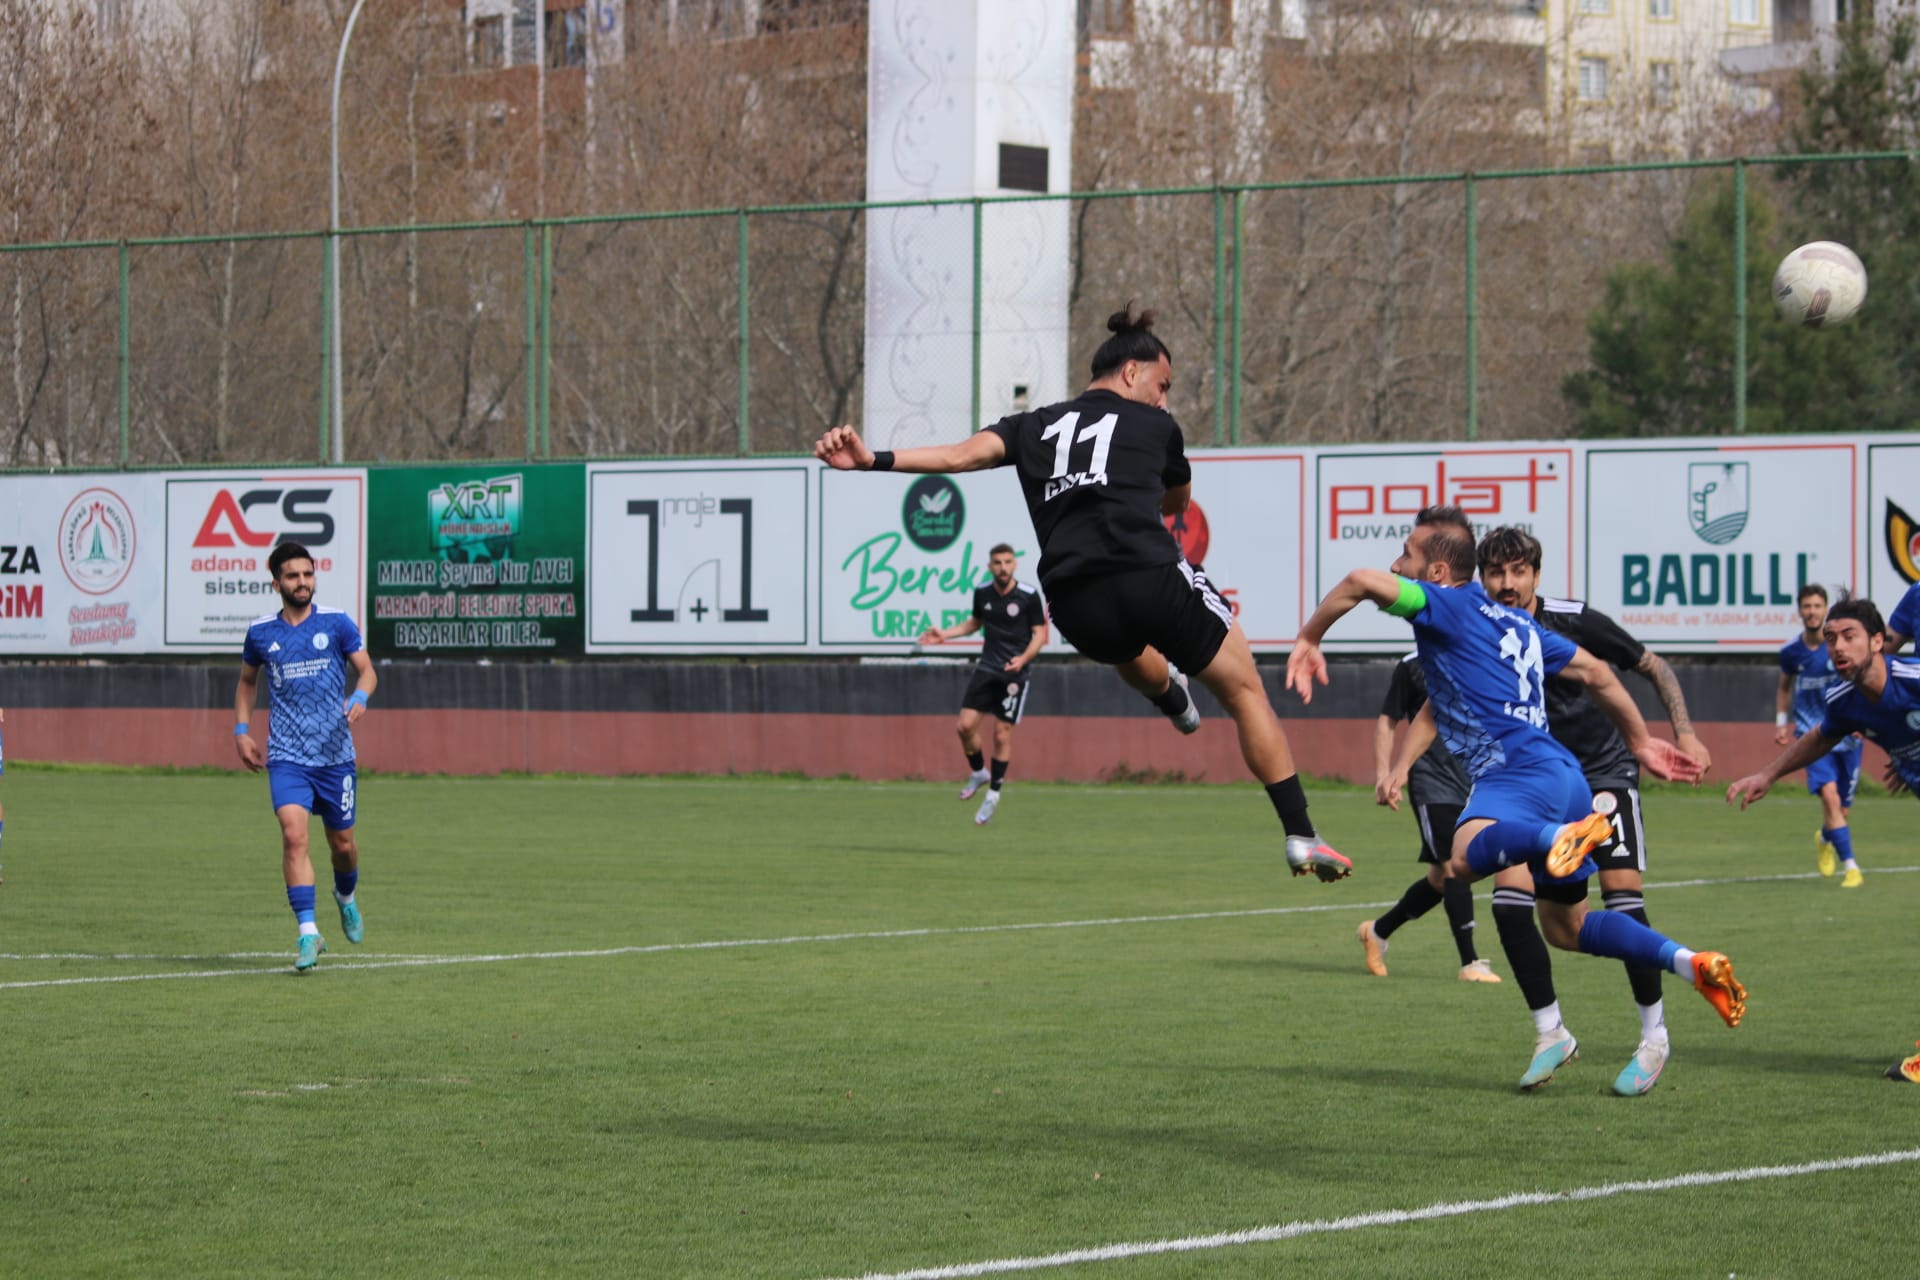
{"x":344,"y":881}
{"x":1508,"y":844}
{"x":1618,"y":936}
{"x":300,"y":898}
{"x":1841,"y":838}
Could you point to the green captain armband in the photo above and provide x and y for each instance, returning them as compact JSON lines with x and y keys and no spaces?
{"x":1412,"y":599}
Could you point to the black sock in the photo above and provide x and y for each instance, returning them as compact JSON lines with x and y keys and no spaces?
{"x":1526,"y":949}
{"x":1419,"y":899}
{"x":1644,"y":978}
{"x":976,"y":760}
{"x":1290,"y":802}
{"x":1459,"y":895}
{"x":1174,"y":701}
{"x":999,"y":774}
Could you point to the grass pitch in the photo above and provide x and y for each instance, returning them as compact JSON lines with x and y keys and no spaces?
{"x":1108,"y":1018}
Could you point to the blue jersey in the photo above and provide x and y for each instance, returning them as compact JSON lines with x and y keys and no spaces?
{"x":307,"y":682}
{"x":1905,"y":617}
{"x":1893,"y":721}
{"x":1812,"y":672}
{"x":1487,"y":668}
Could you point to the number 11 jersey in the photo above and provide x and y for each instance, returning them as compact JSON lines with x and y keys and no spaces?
{"x":1094,"y":470}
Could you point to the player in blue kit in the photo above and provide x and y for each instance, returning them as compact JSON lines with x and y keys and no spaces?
{"x":1486,"y":668}
{"x":1876,"y":696}
{"x":307,"y":650}
{"x":1805,"y":674}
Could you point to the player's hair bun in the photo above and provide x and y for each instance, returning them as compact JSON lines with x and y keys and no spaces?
{"x":1124,"y":321}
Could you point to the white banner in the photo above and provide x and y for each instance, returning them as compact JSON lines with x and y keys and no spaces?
{"x":80,"y":564}
{"x":1368,"y":497}
{"x":220,"y":529}
{"x":1247,"y":528}
{"x":698,"y":557}
{"x":1708,"y":546}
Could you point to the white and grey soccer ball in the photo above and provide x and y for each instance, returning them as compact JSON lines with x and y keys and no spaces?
{"x":1819,"y":284}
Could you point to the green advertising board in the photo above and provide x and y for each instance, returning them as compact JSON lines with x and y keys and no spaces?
{"x":468,"y":559}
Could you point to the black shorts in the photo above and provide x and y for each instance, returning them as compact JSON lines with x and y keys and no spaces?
{"x":1568,"y":893}
{"x":1111,"y":617}
{"x":999,"y":693}
{"x":1436,"y":822}
{"x":1627,"y":851}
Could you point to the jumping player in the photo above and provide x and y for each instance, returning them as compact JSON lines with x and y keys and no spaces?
{"x":1877,"y":696}
{"x":1438,"y":787}
{"x":1486,"y":669}
{"x":307,"y":650}
{"x":1014,"y":621}
{"x":1801,"y":704}
{"x":1099,"y":473}
{"x":1510,"y":560}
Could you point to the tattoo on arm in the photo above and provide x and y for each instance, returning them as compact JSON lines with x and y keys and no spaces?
{"x":1667,"y":685}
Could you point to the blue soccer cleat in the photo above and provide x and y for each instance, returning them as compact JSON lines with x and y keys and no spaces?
{"x":350,"y":922}
{"x":311,"y":946}
{"x":1643,"y":1070}
{"x":1550,"y":1052}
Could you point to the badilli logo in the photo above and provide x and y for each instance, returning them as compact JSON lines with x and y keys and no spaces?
{"x":1717,"y":500}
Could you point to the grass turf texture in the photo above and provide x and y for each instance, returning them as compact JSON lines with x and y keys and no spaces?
{"x":829,"y":1108}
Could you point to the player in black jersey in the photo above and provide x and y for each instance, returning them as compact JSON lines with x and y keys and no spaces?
{"x":1510,"y":560}
{"x":1100,"y":472}
{"x":1438,"y":788}
{"x":1014,"y":623}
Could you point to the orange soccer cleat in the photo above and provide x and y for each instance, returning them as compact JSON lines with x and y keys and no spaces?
{"x":1907,"y":1069}
{"x":1713,"y":978}
{"x":1575,"y":841}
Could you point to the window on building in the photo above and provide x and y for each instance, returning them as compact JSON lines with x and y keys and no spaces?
{"x":1022,"y":168}
{"x":1660,"y":83}
{"x":1210,"y":22}
{"x":1107,"y":19}
{"x":490,"y":41}
{"x":1744,"y":13}
{"x":1660,"y":8}
{"x":799,"y":15}
{"x":1591,"y":6}
{"x":526,"y":14}
{"x":567,"y":37}
{"x":1593,"y":79}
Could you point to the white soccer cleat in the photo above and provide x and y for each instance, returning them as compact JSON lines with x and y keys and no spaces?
{"x":1187,"y":721}
{"x":987,"y":806}
{"x":975,"y":781}
{"x":1643,"y":1070}
{"x":1308,"y":855}
{"x":1551,"y":1051}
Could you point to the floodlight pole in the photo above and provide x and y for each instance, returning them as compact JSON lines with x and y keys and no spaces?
{"x":333,"y":241}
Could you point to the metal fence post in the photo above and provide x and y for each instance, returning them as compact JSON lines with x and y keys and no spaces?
{"x":126,"y":357}
{"x":1473,"y":309}
{"x":530,"y":346}
{"x":1739,"y":296}
{"x":978,"y":275}
{"x":1239,"y":305}
{"x":746,"y":362}
{"x":1219,"y":315}
{"x":327,"y":354}
{"x":546,"y":340}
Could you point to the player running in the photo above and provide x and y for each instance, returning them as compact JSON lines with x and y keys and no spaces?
{"x":1099,"y":473}
{"x":1877,"y":696}
{"x":1801,"y":704}
{"x":1486,"y":667}
{"x":1438,"y":787}
{"x":307,"y":650}
{"x":1014,"y":621}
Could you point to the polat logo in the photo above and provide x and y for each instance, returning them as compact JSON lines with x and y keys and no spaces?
{"x":934,"y":513}
{"x":1903,"y":542}
{"x":1717,"y":500}
{"x":264,"y":517}
{"x":97,"y":541}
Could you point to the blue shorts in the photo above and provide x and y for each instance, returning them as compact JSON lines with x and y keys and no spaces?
{"x":1545,"y":790}
{"x":325,"y":789}
{"x":1841,"y":767}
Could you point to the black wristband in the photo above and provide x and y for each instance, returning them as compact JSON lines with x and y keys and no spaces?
{"x":882,"y":460}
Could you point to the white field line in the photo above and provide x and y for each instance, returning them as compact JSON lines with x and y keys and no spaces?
{"x":1392,"y":1218}
{"x":347,"y":964}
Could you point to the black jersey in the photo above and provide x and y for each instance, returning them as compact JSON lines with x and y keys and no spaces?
{"x":1573,"y":717}
{"x":1436,"y":777}
{"x":1006,"y":621}
{"x":1094,"y":470}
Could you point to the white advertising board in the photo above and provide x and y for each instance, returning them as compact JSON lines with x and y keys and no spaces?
{"x":221,"y":527}
{"x":1248,"y":528}
{"x":1706,"y":546}
{"x":698,"y":557}
{"x":80,"y":564}
{"x":1367,"y":499}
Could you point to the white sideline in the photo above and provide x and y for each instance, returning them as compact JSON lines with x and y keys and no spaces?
{"x":1389,"y":1218}
{"x":345,"y":964}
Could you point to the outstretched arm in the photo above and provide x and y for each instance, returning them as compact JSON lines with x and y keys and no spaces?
{"x":1658,"y":756}
{"x":1807,"y":748}
{"x":844,"y":450}
{"x":1667,"y":685}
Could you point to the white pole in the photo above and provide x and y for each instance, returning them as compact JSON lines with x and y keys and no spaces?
{"x":333,"y":242}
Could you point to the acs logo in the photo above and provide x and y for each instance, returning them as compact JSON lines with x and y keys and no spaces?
{"x":228,"y":524}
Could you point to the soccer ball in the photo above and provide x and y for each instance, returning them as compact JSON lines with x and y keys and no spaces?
{"x":1819,"y":284}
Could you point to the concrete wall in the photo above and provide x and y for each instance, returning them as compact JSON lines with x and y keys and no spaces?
{"x":814,"y":718}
